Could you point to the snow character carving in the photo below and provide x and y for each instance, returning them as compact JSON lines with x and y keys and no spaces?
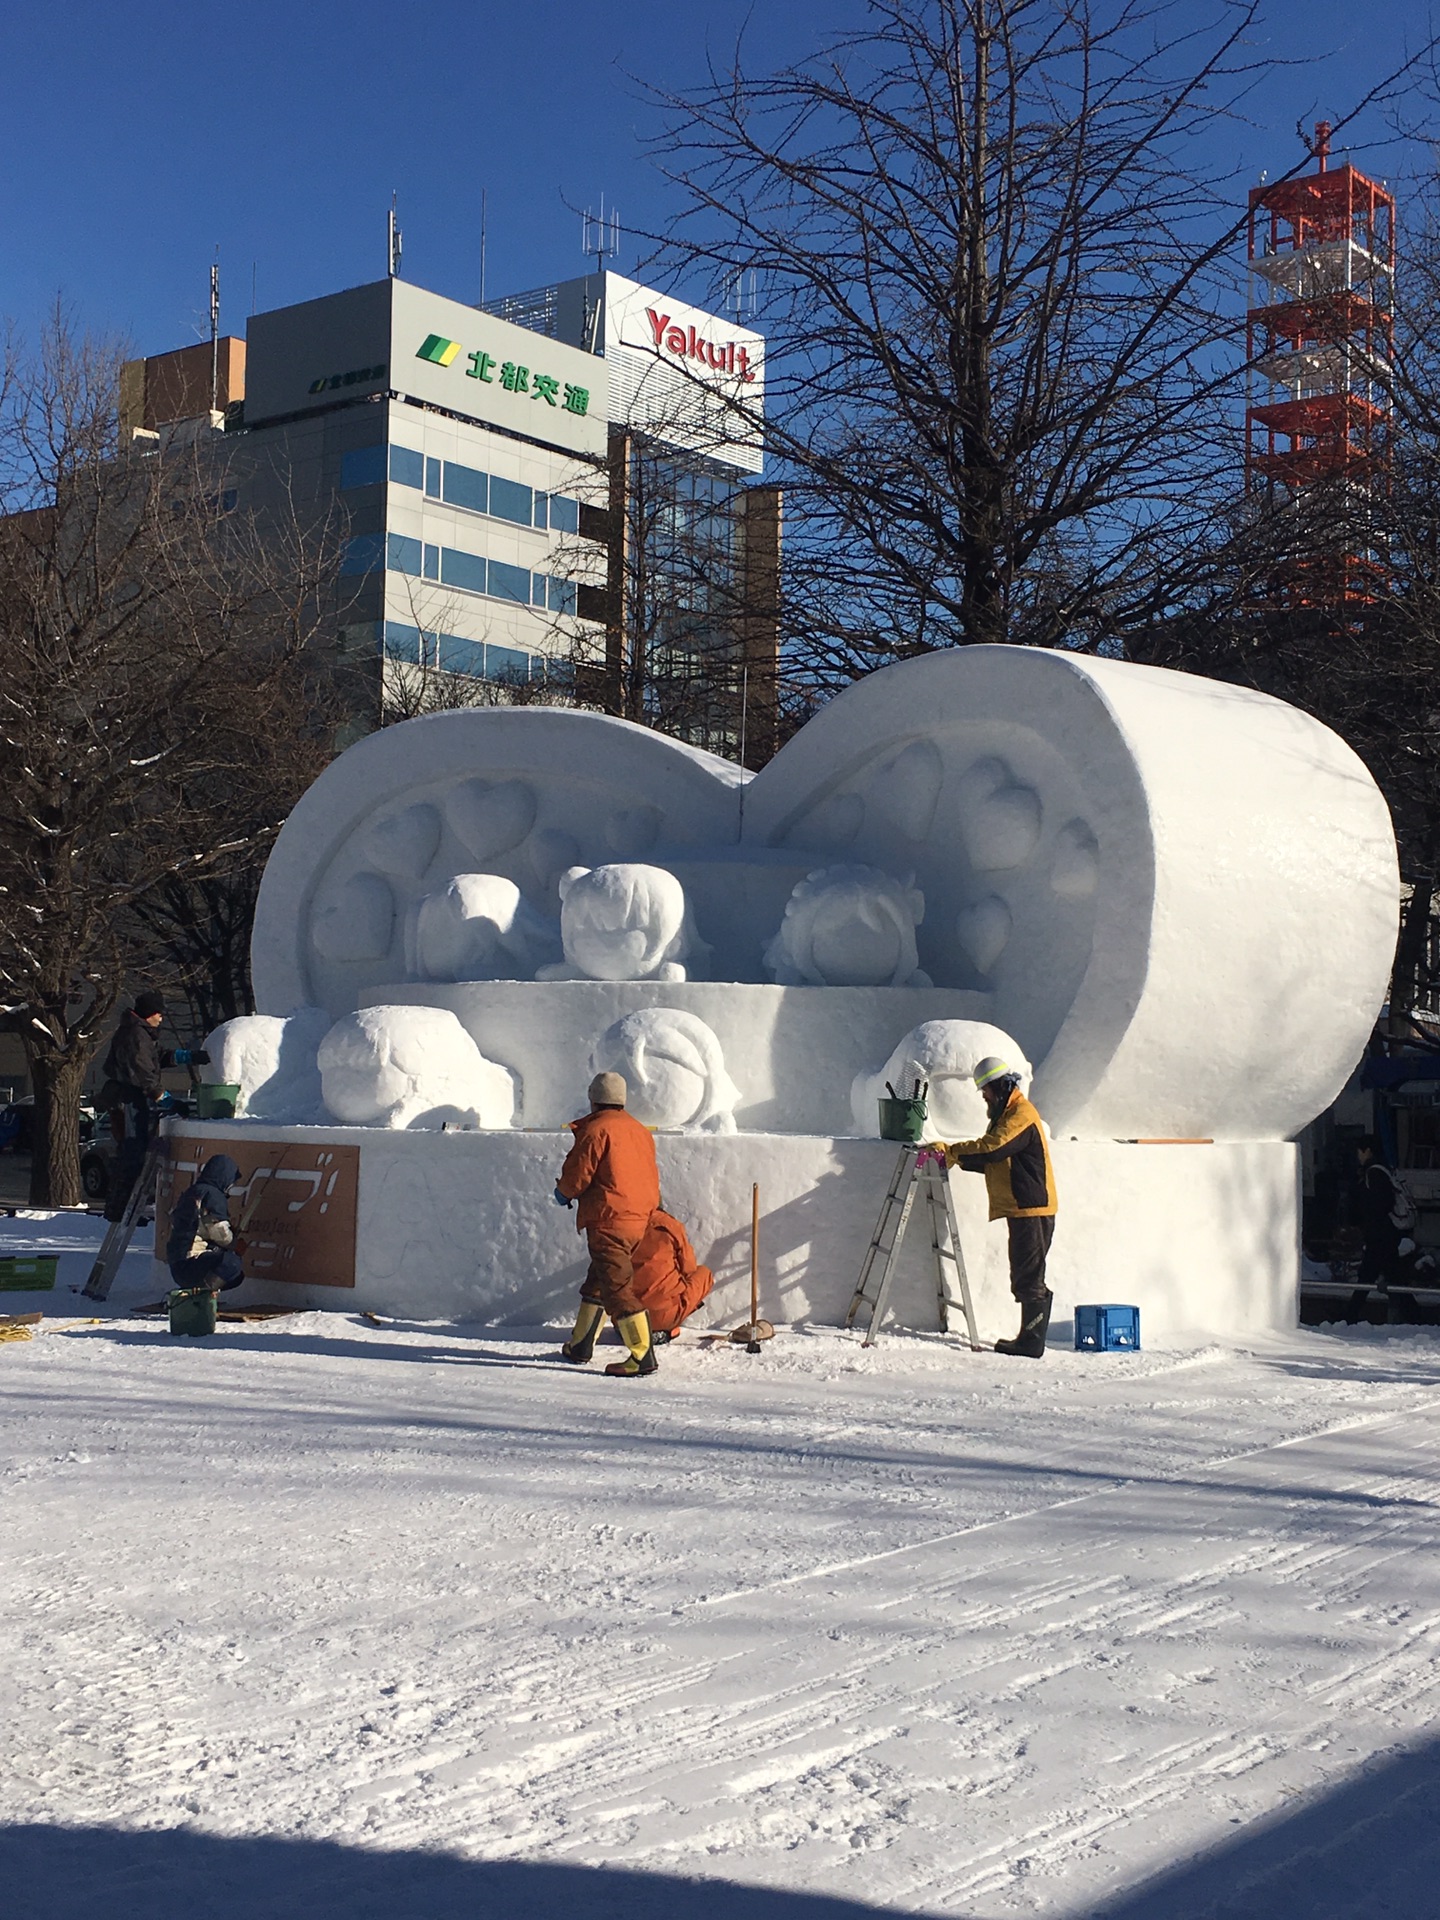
{"x":478,"y":927}
{"x":623,"y":922}
{"x":673,"y":1068}
{"x":272,"y":1061}
{"x":849,"y":926}
{"x":412,"y":1067}
{"x":943,"y":1054}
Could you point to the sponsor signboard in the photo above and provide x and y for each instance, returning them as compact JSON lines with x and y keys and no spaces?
{"x":392,"y":337}
{"x":685,"y":375}
{"x":296,"y":1200}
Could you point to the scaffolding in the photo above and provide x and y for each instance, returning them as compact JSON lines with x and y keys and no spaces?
{"x":1320,"y":332}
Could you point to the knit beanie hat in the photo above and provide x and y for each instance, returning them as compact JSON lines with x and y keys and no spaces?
{"x":148,"y":1003}
{"x":607,"y":1090}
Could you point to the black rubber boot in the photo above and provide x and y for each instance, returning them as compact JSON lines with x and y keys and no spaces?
{"x":1029,"y":1343}
{"x":579,"y":1348}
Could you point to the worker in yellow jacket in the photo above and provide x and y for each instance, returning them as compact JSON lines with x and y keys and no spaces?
{"x":1014,"y":1156}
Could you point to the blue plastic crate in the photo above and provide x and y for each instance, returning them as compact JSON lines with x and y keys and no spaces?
{"x":1107,"y":1329}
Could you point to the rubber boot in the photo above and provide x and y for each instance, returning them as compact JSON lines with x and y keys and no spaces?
{"x":580,"y":1347}
{"x":1029,"y":1343}
{"x":634,"y":1330}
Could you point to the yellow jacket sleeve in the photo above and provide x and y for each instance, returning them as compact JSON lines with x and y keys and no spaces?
{"x":997,"y":1143}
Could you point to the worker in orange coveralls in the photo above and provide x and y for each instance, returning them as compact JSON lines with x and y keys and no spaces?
{"x":611,"y":1172}
{"x":669,"y":1280}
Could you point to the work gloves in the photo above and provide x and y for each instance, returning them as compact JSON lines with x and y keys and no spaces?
{"x":563,"y":1199}
{"x":191,"y":1057}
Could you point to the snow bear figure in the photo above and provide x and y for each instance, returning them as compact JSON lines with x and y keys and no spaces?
{"x":272,"y":1060}
{"x":478,"y":927}
{"x":674,"y":1070}
{"x":944,"y":1053}
{"x":624,"y":922}
{"x":849,"y":926}
{"x":412,"y":1067}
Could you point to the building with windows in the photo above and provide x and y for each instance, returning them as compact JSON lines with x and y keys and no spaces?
{"x":559,"y":487}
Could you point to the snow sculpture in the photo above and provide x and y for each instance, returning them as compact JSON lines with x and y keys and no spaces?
{"x":490,"y":820}
{"x":479,"y":927}
{"x":945,"y":1053}
{"x":412,"y":1067}
{"x":849,"y":927}
{"x":622,"y":922}
{"x":273,"y":1062}
{"x":404,"y":843}
{"x":357,"y":921}
{"x":673,"y":1068}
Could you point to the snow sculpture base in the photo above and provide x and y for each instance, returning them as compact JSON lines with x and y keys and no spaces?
{"x":1203,"y":1239}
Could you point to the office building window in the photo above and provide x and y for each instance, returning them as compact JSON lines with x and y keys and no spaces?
{"x":406,"y":467}
{"x":432,"y":478}
{"x":402,"y":643}
{"x":467,"y":487}
{"x":464,"y":570}
{"x":509,"y":583}
{"x":364,"y":553}
{"x":362,"y":467}
{"x":402,"y":554}
{"x":432,"y":563}
{"x":510,"y":501}
{"x":561,"y":595}
{"x":564,"y":514}
{"x":506,"y":663}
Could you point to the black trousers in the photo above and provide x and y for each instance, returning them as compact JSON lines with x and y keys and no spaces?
{"x":139,"y":1125}
{"x":1029,"y":1243}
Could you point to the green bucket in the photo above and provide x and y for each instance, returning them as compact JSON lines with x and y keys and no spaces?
{"x":216,"y":1102}
{"x":902,"y":1120}
{"x":192,"y":1311}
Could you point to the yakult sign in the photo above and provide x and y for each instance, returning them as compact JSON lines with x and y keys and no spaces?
{"x":689,"y":376}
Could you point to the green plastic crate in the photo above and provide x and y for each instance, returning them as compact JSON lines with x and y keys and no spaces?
{"x":34,"y":1273}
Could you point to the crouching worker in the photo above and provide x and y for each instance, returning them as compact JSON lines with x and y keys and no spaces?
{"x":201,"y":1249}
{"x":670,"y":1283}
{"x":610,"y":1171}
{"x":1014,"y":1157}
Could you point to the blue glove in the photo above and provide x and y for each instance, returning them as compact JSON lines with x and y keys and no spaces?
{"x":563,"y":1199}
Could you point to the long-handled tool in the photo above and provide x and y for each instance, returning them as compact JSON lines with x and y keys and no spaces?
{"x":755,"y":1329}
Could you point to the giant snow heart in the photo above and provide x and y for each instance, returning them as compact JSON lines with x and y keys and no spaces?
{"x":1180,"y":896}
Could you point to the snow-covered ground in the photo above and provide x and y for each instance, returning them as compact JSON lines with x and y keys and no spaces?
{"x":323,"y":1618}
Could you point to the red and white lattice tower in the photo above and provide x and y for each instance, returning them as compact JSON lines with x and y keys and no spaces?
{"x":1320,"y":332}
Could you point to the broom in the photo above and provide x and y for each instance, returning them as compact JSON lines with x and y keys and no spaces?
{"x":755,"y":1330}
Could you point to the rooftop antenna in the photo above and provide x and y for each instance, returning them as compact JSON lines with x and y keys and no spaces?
{"x":600,"y":235}
{"x":394,"y":240}
{"x":482,"y":246}
{"x":742,"y":294}
{"x":215,"y":333}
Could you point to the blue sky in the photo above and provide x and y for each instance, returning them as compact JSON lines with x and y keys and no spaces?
{"x":135,"y":138}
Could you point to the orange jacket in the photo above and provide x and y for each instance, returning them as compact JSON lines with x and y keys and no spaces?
{"x":669,"y":1281}
{"x":611,"y":1171}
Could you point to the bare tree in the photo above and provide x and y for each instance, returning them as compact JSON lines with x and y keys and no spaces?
{"x":1000,"y":295}
{"x":155,"y":643}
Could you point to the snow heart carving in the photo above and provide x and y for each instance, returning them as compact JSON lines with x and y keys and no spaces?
{"x":1178,"y":897}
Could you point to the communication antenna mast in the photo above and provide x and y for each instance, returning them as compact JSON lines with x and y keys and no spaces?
{"x":394,"y":241}
{"x":743,"y":297}
{"x":483,"y":212}
{"x":215,"y":333}
{"x":600,"y":235}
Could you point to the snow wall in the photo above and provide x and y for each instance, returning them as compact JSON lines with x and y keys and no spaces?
{"x":1178,"y":898}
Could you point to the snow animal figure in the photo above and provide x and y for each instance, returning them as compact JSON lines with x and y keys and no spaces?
{"x":945,"y":1053}
{"x":272,"y":1060}
{"x":673,"y":1069}
{"x":412,"y":1067}
{"x":623,"y":922}
{"x":478,"y":927}
{"x":849,"y":926}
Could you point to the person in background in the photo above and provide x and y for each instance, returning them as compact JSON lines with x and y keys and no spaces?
{"x":1014,"y":1156}
{"x":133,"y":1088}
{"x":201,"y":1248}
{"x":611,"y":1172}
{"x":1380,"y":1251}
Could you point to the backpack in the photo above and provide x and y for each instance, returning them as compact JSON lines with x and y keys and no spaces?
{"x":1403,"y":1213}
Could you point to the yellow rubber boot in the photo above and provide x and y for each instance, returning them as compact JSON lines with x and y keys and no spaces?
{"x":634,"y":1330}
{"x":581,"y":1345}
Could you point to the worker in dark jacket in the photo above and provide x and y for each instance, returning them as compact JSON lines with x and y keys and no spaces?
{"x":611,"y":1172}
{"x":1380,"y":1254}
{"x":132,"y":1070}
{"x":1014,"y":1156}
{"x":133,"y":1087}
{"x":201,"y":1247}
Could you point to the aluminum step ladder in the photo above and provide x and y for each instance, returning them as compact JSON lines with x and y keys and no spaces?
{"x":909,"y":1178}
{"x":117,"y":1235}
